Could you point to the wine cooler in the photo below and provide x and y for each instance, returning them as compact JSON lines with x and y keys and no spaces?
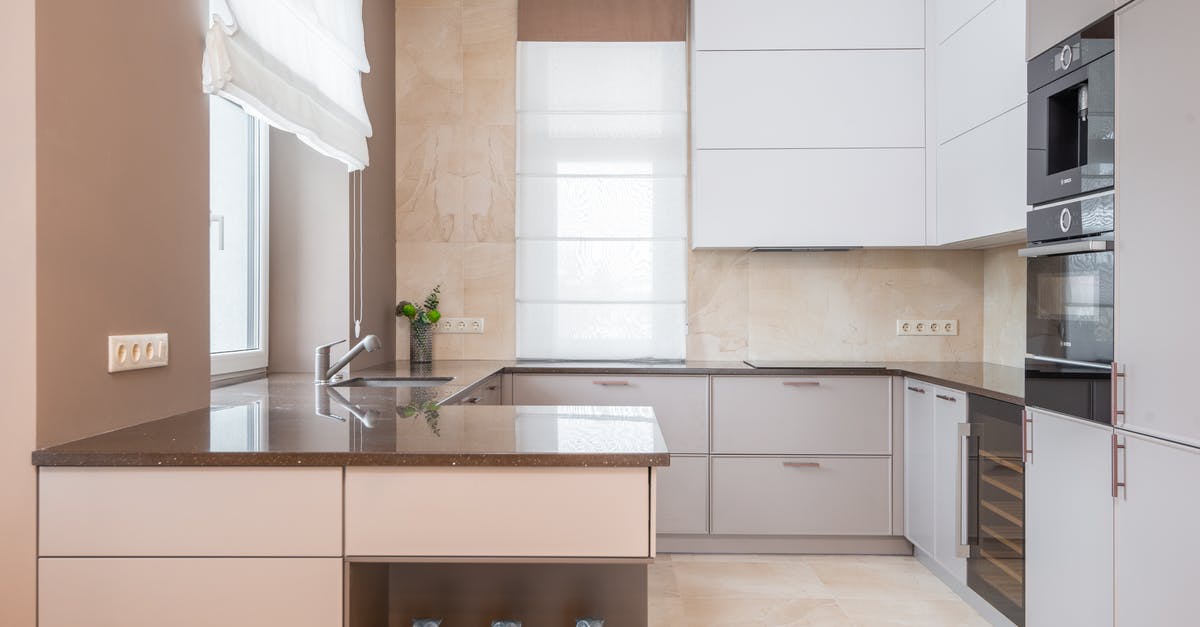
{"x":996,"y":505}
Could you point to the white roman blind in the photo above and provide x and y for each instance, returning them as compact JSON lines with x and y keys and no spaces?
{"x":601,"y":200}
{"x":297,"y":65}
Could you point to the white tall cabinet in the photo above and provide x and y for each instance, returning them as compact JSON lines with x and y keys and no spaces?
{"x":934,"y":468}
{"x":1158,"y":122}
{"x":1068,"y":522}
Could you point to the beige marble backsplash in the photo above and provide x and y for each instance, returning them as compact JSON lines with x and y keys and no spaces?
{"x":455,"y":226}
{"x":1004,"y":306}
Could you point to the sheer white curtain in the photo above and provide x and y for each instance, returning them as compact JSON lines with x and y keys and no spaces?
{"x":297,"y":65}
{"x":601,"y":204}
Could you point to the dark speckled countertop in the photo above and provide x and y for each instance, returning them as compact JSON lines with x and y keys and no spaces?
{"x":286,"y":420}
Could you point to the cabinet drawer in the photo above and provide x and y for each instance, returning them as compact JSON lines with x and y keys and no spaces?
{"x":680,"y":402}
{"x":802,"y":495}
{"x":488,"y":392}
{"x":683,"y":496}
{"x":498,"y":512}
{"x":802,"y":415}
{"x":189,"y":592}
{"x":219,"y":512}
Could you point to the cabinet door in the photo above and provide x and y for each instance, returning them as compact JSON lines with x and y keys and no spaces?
{"x":1051,"y":21}
{"x":790,"y":24}
{"x":1156,"y":295}
{"x":981,"y":71}
{"x":949,"y":467}
{"x":1157,"y":544}
{"x":1068,"y":522}
{"x":981,"y":180}
{"x":749,"y":198}
{"x":683,"y":495}
{"x":918,"y":465}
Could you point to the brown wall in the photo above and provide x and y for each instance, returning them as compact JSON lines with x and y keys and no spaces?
{"x":18,"y":316}
{"x":122,"y":217}
{"x":379,"y":182}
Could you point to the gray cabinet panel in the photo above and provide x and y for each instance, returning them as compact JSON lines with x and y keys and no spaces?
{"x":683,"y":495}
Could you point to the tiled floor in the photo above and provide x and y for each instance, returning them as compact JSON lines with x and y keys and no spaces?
{"x":784,"y":591}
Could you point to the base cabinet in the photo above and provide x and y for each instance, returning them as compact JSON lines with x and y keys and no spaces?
{"x":949,"y":489}
{"x":189,"y":592}
{"x":683,"y":495}
{"x":1068,"y":522}
{"x":1157,"y":547}
{"x":918,"y":464}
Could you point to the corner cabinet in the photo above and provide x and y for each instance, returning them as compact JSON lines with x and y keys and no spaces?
{"x":808,"y":132}
{"x":1068,"y":522}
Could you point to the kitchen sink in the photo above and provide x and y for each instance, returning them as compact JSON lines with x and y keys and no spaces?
{"x":392,"y":382}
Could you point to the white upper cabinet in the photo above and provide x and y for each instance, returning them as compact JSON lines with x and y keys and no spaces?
{"x":808,"y":24}
{"x":981,"y":70}
{"x":1156,"y":295}
{"x":951,"y":15}
{"x":1051,"y":21}
{"x":810,"y":99}
{"x":781,"y":198}
{"x":981,"y":180}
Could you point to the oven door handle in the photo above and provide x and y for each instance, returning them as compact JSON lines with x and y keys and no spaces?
{"x":1068,"y":362}
{"x":1089,"y":245}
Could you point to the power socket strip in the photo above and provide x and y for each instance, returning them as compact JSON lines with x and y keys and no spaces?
{"x":927,"y":327}
{"x":135,"y":352}
{"x":460,"y":325}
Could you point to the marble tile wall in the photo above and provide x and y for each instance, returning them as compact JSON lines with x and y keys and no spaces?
{"x":1004,"y":306}
{"x":455,"y":226}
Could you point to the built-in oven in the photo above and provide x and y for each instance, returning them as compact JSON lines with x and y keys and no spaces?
{"x":1072,"y":102}
{"x":1069,"y":307}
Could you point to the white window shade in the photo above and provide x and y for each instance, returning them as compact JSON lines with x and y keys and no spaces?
{"x":601,"y":200}
{"x":297,"y":65}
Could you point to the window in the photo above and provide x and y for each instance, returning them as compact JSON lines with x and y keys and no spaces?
{"x":237,"y":238}
{"x":601,"y":201}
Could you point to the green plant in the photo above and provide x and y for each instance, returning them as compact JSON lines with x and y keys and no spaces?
{"x":425,"y":313}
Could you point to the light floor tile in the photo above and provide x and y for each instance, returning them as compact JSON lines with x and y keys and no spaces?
{"x":871,"y":577}
{"x":757,"y":580}
{"x":881,"y":613}
{"x":756,"y":612}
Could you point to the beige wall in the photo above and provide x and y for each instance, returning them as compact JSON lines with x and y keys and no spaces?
{"x":122,"y":216}
{"x":18,"y":316}
{"x":455,"y":172}
{"x":1004,"y":306}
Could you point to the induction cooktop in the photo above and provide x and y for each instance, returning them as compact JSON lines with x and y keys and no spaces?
{"x":788,"y":364}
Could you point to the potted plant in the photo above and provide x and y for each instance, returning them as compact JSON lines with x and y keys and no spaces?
{"x":422,"y":319}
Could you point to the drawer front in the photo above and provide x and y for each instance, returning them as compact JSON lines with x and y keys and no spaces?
{"x":189,"y":592}
{"x":802,"y":415}
{"x":683,"y":495}
{"x":174,"y":512}
{"x":489,"y":392}
{"x":680,"y":402}
{"x":498,"y":512}
{"x":802,"y":495}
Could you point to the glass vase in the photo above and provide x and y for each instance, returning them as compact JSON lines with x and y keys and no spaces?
{"x":420,"y":344}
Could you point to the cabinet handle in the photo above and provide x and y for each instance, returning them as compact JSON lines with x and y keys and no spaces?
{"x":947,"y":398}
{"x":611,"y":383}
{"x":802,"y":464}
{"x":492,"y":388}
{"x":961,"y":548}
{"x":1117,"y":484}
{"x":801,"y":384}
{"x":916,"y":389}
{"x":1026,"y":437}
{"x":473,"y":400}
{"x":1116,"y":377}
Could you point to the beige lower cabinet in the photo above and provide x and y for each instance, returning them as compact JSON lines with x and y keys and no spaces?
{"x":189,"y":592}
{"x":683,"y":495}
{"x":802,"y":495}
{"x":498,"y":512}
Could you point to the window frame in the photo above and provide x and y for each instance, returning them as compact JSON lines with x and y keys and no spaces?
{"x":224,"y":364}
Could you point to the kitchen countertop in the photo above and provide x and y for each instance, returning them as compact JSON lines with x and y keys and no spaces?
{"x":285,"y":420}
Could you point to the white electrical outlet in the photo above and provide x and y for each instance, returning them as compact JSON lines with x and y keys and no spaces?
{"x":134,"y":352}
{"x":460,"y":325}
{"x":927,"y":327}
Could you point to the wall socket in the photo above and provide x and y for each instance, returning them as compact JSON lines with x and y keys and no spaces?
{"x":135,"y":352}
{"x":927,"y":327}
{"x":460,"y":325}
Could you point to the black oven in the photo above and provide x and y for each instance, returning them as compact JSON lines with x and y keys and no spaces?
{"x":1069,"y":307}
{"x":1071,"y":116}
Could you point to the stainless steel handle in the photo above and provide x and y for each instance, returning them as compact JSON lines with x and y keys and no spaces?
{"x":220,"y":220}
{"x":947,"y":398}
{"x":1090,"y":245}
{"x":492,"y":388}
{"x":611,"y":383}
{"x":1116,"y":478}
{"x":1118,"y":414}
{"x":473,"y":400}
{"x":917,"y":390}
{"x":801,"y":384}
{"x":961,"y":548}
{"x":1068,"y":362}
{"x":802,"y":464}
{"x":1026,"y":437}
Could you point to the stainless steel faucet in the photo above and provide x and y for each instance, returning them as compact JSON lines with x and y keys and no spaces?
{"x":325,"y":372}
